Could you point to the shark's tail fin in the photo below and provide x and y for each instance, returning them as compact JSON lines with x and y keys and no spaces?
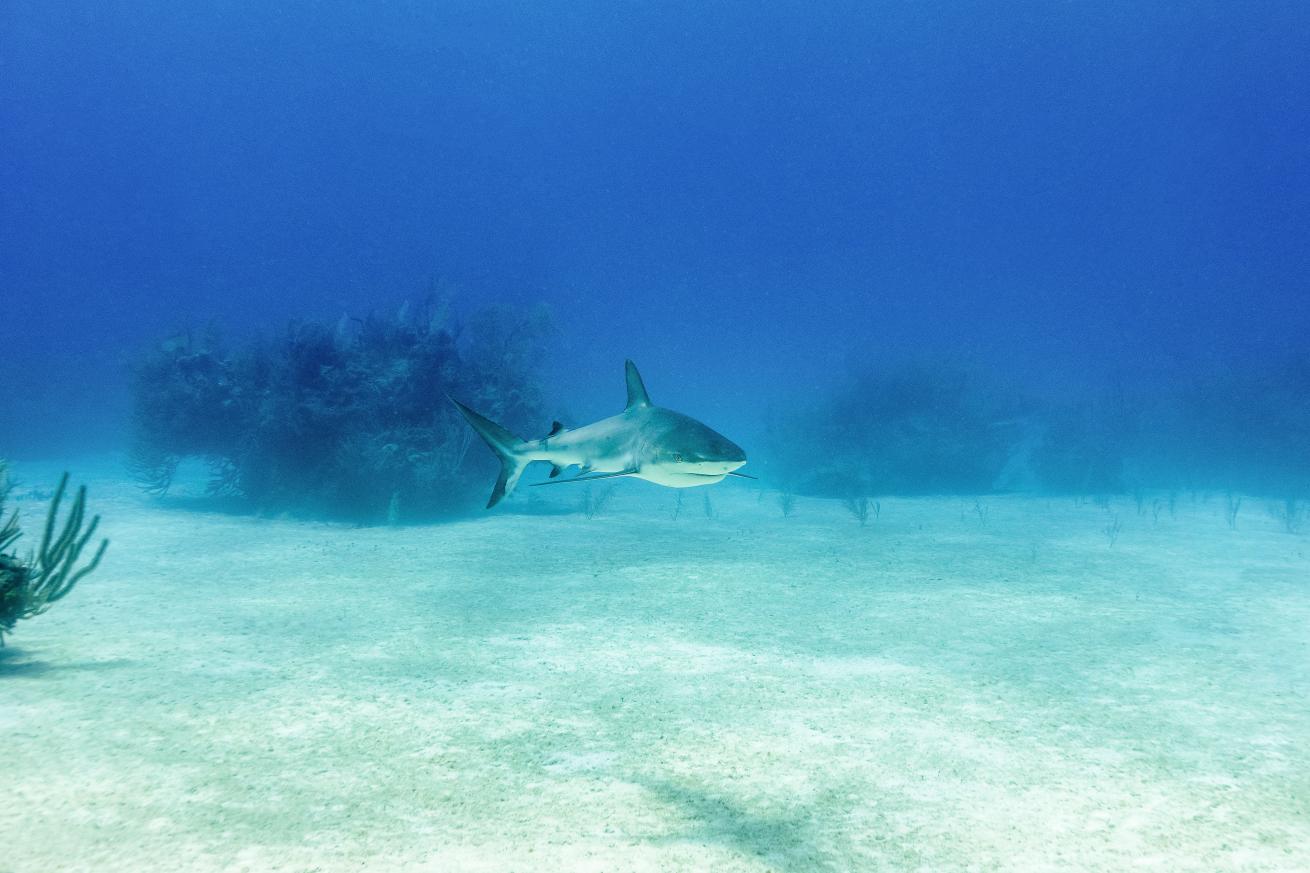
{"x":506,"y":446}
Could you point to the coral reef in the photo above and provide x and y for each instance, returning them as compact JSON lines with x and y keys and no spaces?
{"x":29,"y":587}
{"x":929,"y":429}
{"x":1246,"y":429}
{"x":347,"y":420}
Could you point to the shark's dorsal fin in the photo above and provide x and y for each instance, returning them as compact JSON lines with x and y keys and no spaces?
{"x":555,"y":428}
{"x":637,"y":396}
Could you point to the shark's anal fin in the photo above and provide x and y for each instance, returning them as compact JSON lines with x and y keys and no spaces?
{"x":637,"y":396}
{"x":588,"y":478}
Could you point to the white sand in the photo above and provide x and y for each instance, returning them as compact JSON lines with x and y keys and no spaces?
{"x":547,"y":692}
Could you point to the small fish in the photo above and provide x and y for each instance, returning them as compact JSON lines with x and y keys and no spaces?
{"x":644,"y":441}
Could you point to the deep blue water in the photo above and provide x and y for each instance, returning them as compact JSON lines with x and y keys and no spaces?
{"x":747,"y":198}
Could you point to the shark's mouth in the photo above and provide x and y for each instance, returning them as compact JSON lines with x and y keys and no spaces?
{"x":721,"y":475}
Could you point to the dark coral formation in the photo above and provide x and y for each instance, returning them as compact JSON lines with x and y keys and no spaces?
{"x":910,"y":430}
{"x":1253,"y":424}
{"x":932,"y":429}
{"x":28,"y":587}
{"x":347,"y":420}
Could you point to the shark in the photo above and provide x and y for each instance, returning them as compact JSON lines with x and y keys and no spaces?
{"x":644,"y":441}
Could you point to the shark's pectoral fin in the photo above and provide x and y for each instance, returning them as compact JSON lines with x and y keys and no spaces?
{"x":594,"y":478}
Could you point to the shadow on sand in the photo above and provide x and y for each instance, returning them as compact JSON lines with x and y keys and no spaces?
{"x":204,"y":503}
{"x":238,"y":507}
{"x":785,"y":840}
{"x":16,"y":663}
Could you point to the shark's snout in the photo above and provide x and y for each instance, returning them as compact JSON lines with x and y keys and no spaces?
{"x":731,"y":453}
{"x":731,"y":460}
{"x":720,"y":459}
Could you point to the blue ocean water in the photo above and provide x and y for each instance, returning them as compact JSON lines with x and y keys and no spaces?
{"x":749,"y":199}
{"x":1006,"y":302}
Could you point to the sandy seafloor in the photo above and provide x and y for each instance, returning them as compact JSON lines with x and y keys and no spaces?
{"x":536,"y":690}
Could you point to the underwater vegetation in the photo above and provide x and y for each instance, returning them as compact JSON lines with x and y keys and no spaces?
{"x":348,"y":420}
{"x":936,"y":429}
{"x":28,"y":587}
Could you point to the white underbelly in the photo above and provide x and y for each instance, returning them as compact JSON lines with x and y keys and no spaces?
{"x":674,"y":479}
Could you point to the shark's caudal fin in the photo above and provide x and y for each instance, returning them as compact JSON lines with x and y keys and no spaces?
{"x":506,"y":446}
{"x":637,"y":395}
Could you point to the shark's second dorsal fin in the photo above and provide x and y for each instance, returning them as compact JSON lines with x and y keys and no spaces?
{"x":637,"y":396}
